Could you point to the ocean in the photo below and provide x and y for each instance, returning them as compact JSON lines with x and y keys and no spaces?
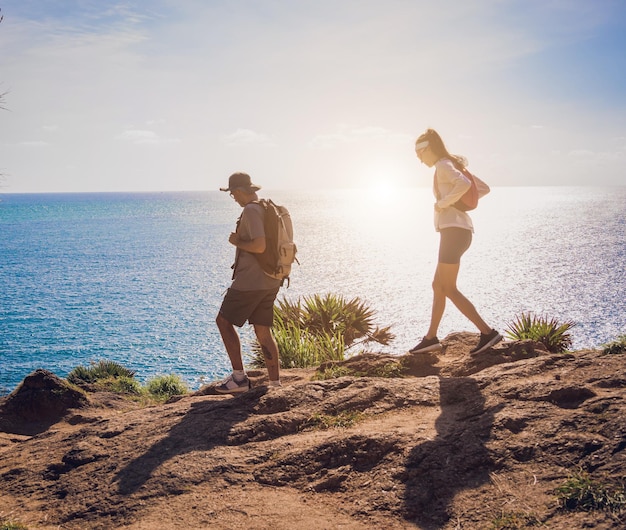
{"x":138,"y":278}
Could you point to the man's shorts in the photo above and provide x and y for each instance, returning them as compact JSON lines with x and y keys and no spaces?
{"x":453,"y":244}
{"x":257,"y":307}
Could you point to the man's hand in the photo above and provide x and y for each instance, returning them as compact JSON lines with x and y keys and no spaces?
{"x":233,"y":239}
{"x":256,"y":246}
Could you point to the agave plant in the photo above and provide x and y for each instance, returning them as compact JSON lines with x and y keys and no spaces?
{"x":334,"y":314}
{"x":554,"y":335}
{"x":319,"y":328}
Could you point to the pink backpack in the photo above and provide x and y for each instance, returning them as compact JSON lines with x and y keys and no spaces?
{"x":469,"y":200}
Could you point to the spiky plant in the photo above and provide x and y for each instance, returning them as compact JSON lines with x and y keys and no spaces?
{"x":299,"y":348}
{"x":616,"y":346}
{"x":581,"y":492}
{"x":554,"y":335}
{"x":98,"y":371}
{"x":165,"y":386}
{"x":320,"y":328}
{"x":332,"y":314}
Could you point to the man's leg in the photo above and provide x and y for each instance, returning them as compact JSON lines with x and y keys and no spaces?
{"x":230,"y":337}
{"x":270,"y":351}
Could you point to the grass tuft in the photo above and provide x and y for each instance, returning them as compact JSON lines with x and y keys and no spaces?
{"x":582,"y":493}
{"x":342,"y":420}
{"x":332,"y":372}
{"x":165,"y":386}
{"x":12,"y":525}
{"x":113,"y":377}
{"x":98,"y":371}
{"x":554,"y":335}
{"x":615,"y":347}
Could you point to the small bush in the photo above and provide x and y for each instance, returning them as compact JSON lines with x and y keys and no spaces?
{"x":332,"y":372}
{"x":344,"y":419}
{"x":581,"y":492}
{"x":316,"y":329}
{"x":166,"y":386}
{"x":553,"y":334}
{"x":98,"y":371}
{"x":389,"y":370}
{"x":334,"y":313}
{"x":123,"y":385}
{"x":615,"y":347}
{"x":12,"y":525}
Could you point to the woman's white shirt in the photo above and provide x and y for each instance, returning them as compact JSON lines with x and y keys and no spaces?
{"x":452,"y":185}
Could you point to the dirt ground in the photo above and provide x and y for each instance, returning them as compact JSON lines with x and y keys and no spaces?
{"x":451,"y":441}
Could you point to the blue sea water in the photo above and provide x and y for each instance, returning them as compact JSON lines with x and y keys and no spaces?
{"x":138,"y":278}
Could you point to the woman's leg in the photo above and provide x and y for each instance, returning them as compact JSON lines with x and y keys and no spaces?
{"x":444,"y":286}
{"x":439,"y":304}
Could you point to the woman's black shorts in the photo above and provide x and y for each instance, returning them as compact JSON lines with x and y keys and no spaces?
{"x":453,"y":244}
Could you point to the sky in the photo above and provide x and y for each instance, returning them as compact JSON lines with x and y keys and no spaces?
{"x":138,"y":95}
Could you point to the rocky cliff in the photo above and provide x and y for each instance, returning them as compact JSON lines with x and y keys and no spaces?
{"x":503,"y":440}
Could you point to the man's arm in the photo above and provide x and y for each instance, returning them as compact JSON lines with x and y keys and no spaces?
{"x":256,"y":246}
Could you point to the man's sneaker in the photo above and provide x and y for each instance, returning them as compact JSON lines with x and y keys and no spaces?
{"x":230,"y":386}
{"x":487,"y":341}
{"x":427,"y":345}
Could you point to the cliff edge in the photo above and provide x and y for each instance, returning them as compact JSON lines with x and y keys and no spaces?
{"x":421,"y":441}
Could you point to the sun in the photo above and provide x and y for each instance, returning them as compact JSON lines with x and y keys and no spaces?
{"x":380,"y":190}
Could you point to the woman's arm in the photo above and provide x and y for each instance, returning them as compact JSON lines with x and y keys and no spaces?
{"x":453,"y":182}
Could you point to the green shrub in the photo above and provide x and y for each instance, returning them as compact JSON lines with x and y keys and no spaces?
{"x":334,"y":314}
{"x":553,"y":334}
{"x":122,"y":384}
{"x":332,"y":372}
{"x":615,"y":347}
{"x":316,"y":329}
{"x":346,"y":418}
{"x":98,"y":371}
{"x":166,"y":386}
{"x":581,"y":492}
{"x":12,"y":525}
{"x":299,"y":348}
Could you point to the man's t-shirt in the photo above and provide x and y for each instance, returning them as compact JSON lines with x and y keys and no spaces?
{"x":249,"y":275}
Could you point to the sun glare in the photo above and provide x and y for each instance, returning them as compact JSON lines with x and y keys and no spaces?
{"x":381,"y":190}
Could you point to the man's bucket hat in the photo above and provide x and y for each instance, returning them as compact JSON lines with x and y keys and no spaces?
{"x":241,"y":181}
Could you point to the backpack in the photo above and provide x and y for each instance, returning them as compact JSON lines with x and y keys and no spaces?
{"x":280,"y":249}
{"x":469,"y":200}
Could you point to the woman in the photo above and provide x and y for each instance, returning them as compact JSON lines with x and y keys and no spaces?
{"x":455,"y":229}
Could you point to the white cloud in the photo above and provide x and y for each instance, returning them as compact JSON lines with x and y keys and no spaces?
{"x":349,"y":135}
{"x":137,"y":136}
{"x":247,"y":137}
{"x":34,"y":143}
{"x":582,"y":153}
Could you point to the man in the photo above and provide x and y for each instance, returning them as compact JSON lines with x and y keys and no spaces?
{"x":251,"y":295}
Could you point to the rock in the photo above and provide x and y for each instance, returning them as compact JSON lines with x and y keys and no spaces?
{"x":39,"y":401}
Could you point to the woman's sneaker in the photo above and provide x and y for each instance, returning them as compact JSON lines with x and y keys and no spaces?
{"x":230,"y":386}
{"x":487,"y":341}
{"x":427,"y":345}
